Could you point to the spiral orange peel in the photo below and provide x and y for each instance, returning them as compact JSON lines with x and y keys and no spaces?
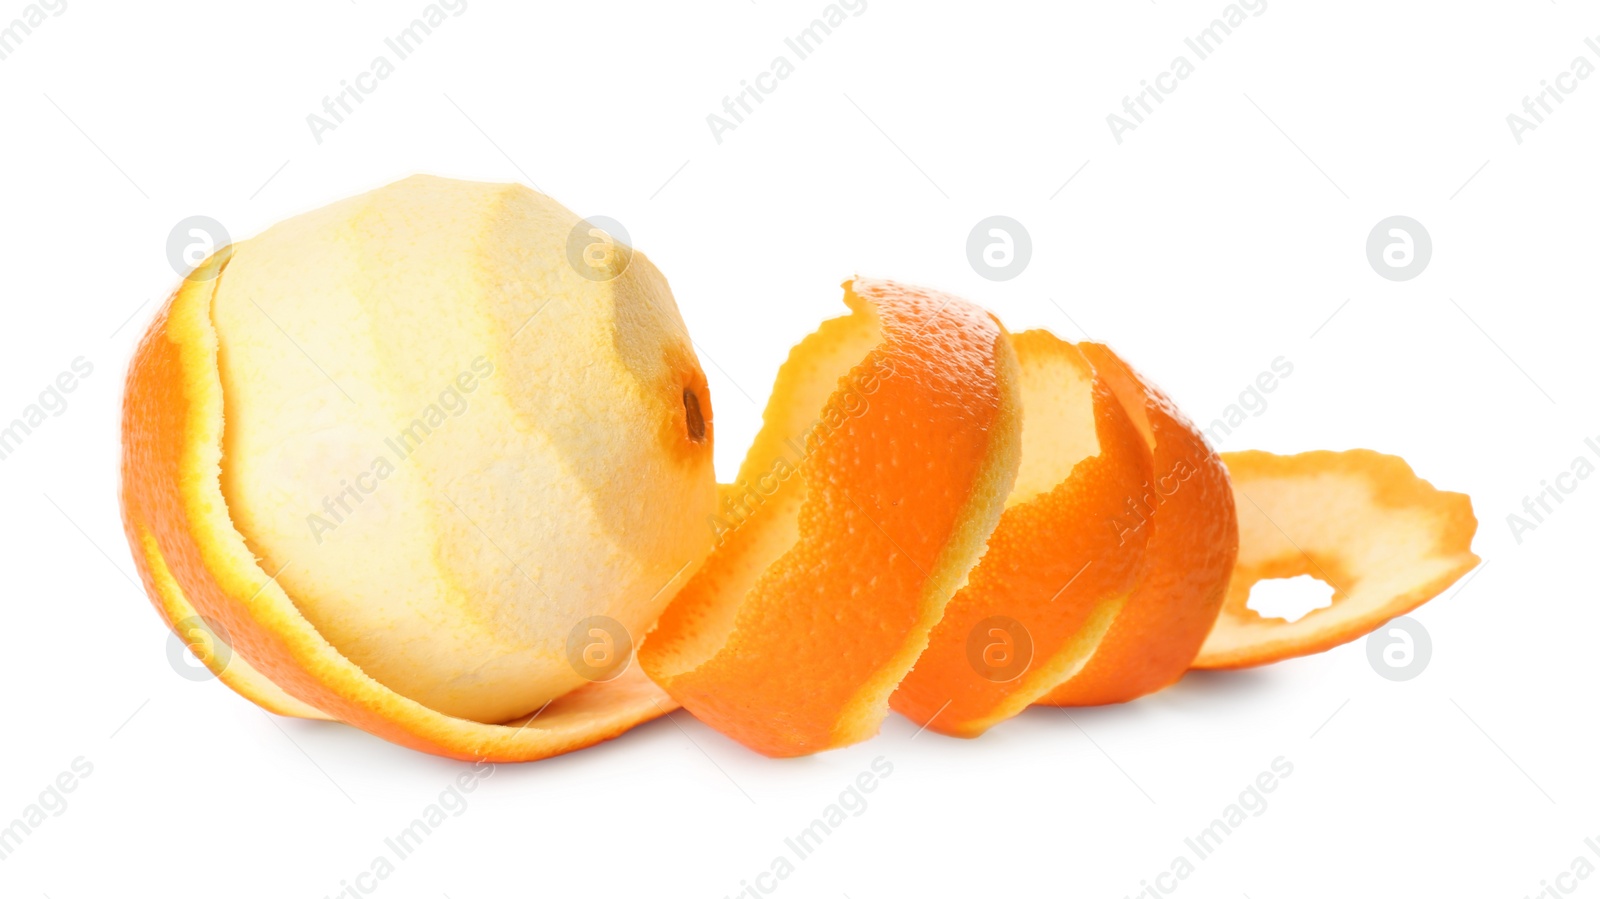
{"x":1189,"y":511}
{"x":1058,"y":571}
{"x":936,"y":516}
{"x":883,"y":461}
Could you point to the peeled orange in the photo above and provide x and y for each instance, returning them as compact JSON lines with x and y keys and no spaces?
{"x":425,"y":475}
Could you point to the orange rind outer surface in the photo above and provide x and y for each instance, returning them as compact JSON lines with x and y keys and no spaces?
{"x":883,"y":463}
{"x":202,"y":577}
{"x":1361,"y":522}
{"x":1188,"y":509}
{"x":1056,"y":572}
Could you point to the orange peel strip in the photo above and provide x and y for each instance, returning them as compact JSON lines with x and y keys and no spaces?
{"x":195,"y":563}
{"x":883,"y":463}
{"x":1188,"y":509}
{"x":1057,"y":570}
{"x":1362,"y":522}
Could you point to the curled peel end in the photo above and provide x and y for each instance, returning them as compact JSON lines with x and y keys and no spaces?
{"x":1385,"y":540}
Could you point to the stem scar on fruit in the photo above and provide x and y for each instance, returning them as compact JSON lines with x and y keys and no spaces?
{"x":693,"y":418}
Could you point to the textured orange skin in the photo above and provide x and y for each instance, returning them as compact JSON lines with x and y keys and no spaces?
{"x":1189,"y":558}
{"x":1033,"y":571}
{"x":1394,"y":485}
{"x":156,"y":425}
{"x":886,"y":494}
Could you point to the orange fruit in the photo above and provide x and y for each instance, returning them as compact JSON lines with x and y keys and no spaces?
{"x":551,"y":495}
{"x":1361,"y":522}
{"x":883,"y":462}
{"x":1058,"y":569}
{"x":935,"y":516}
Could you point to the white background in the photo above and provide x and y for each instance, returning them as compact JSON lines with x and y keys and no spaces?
{"x":1222,"y":233}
